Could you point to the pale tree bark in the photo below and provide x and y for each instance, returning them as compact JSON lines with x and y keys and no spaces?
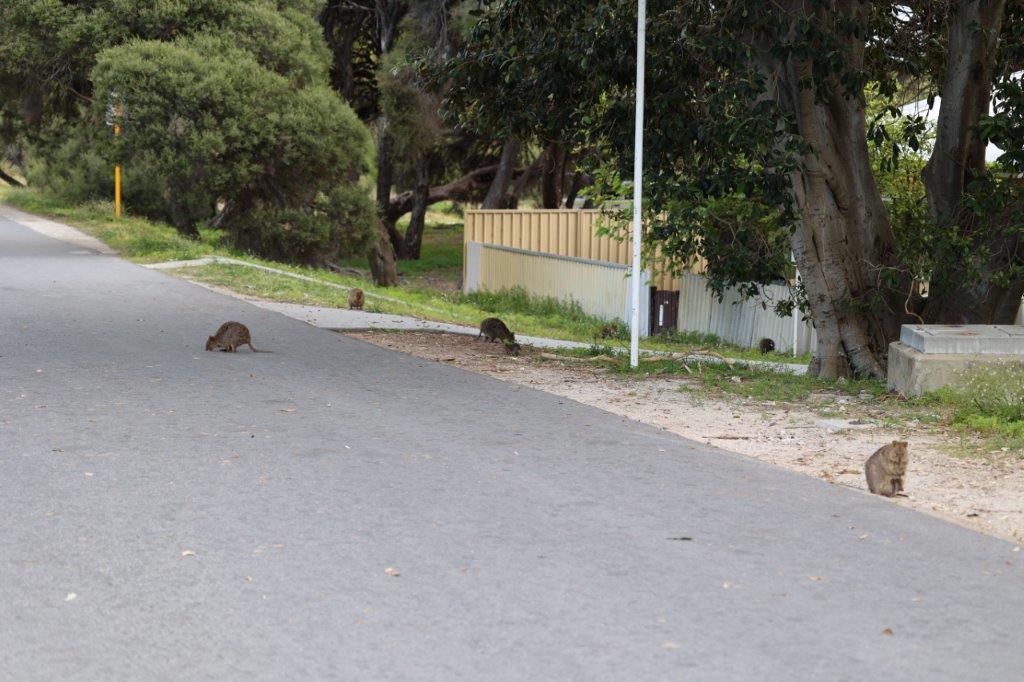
{"x":958,"y":156}
{"x":382,"y":259}
{"x":553,"y":175}
{"x":413,"y":240}
{"x":497,"y":194}
{"x":844,"y":241}
{"x":470,"y":187}
{"x":388,"y":14}
{"x":383,"y":250}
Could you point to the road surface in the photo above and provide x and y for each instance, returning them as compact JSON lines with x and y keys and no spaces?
{"x":171,"y":513}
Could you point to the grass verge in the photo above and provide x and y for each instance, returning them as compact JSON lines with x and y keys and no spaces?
{"x":988,"y":402}
{"x":715,"y":378}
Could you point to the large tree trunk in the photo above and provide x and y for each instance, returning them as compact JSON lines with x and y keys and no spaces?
{"x":497,"y":194}
{"x":388,"y":13}
{"x":382,"y":260}
{"x":413,"y":241}
{"x":579,"y":181}
{"x":524,"y":180}
{"x":843,"y":243}
{"x":955,"y":295}
{"x":553,"y":175}
{"x":383,"y":251}
{"x":469,"y":187}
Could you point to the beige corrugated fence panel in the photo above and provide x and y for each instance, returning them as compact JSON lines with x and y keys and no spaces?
{"x":743,"y":322}
{"x":601,"y":289}
{"x":562,"y":232}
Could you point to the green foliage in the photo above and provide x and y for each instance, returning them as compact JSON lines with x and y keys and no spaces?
{"x":222,"y":104}
{"x":336,"y":228}
{"x":899,"y":147}
{"x":411,"y":109}
{"x":723,"y":145}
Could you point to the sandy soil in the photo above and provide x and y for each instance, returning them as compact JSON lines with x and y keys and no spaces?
{"x":985,"y":494}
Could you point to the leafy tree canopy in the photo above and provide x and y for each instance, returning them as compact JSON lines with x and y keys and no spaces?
{"x":224,"y":109}
{"x":767,"y":103}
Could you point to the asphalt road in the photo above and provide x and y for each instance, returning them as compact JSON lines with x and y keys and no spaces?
{"x":232,"y":516}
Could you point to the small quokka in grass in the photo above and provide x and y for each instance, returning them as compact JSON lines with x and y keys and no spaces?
{"x":356,"y":298}
{"x":230,"y":336}
{"x":493,"y":329}
{"x":886,"y":468}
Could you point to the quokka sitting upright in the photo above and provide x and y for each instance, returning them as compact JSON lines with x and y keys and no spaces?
{"x":356,"y":298}
{"x":885,"y":469}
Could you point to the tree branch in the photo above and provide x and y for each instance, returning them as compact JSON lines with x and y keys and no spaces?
{"x":14,"y":182}
{"x":469,"y":186}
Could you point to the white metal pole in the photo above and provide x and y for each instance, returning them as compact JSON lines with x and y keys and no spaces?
{"x":638,"y":164}
{"x":796,"y":313}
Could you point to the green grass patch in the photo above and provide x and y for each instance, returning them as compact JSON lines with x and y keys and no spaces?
{"x":442,"y":251}
{"x":138,"y":239}
{"x":716,"y":378}
{"x":988,"y":402}
{"x":674,"y":340}
{"x":760,"y":384}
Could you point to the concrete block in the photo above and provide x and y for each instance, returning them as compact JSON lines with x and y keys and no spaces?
{"x":914,"y":373}
{"x":968,"y":338}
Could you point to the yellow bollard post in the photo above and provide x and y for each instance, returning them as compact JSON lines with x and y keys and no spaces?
{"x":117,"y":168}
{"x":117,"y":191}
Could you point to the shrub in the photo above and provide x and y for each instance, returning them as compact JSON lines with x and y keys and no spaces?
{"x":215,"y":126}
{"x":224,"y":103}
{"x":336,"y":228}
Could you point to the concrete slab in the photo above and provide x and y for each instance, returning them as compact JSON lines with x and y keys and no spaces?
{"x":913,"y":373}
{"x":969,"y":338}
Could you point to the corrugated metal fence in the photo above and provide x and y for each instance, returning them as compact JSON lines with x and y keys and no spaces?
{"x":579,"y":271}
{"x":561,"y":232}
{"x":601,"y":289}
{"x":738,"y":321}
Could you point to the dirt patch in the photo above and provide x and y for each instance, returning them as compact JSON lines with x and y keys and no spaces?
{"x":447,"y":280}
{"x":983,"y":494}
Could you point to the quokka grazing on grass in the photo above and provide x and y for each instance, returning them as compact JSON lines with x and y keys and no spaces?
{"x":356,"y":298}
{"x":230,"y":336}
{"x":886,"y":468}
{"x":494,"y":329}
